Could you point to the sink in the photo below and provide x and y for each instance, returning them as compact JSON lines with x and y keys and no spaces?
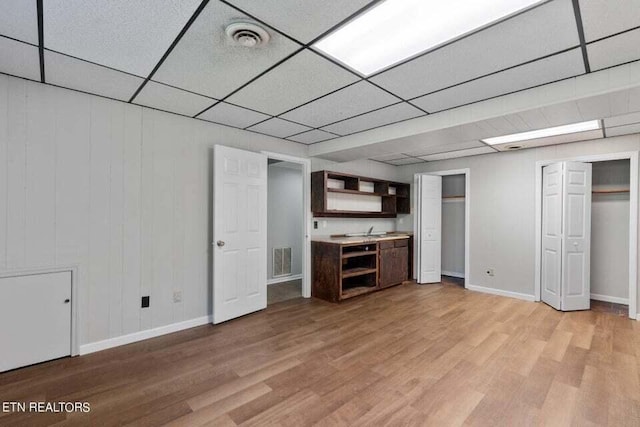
{"x":374,"y":233}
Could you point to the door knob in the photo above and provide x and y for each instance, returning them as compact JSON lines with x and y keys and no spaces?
{"x":67,"y":301}
{"x":220,"y":243}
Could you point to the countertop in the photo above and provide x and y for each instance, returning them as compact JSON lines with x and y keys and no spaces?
{"x":359,"y":239}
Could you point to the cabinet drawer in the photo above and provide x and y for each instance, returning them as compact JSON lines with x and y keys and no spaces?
{"x":386,"y":244}
{"x":400,"y":243}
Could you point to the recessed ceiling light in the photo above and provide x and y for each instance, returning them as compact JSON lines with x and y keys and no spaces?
{"x":544,"y":133}
{"x":398,"y":29}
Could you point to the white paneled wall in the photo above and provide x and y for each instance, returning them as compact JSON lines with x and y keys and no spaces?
{"x":119,"y":191}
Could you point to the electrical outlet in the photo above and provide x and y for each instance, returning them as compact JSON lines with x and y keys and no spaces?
{"x":315,"y":225}
{"x":177,"y":296}
{"x":491,"y":272}
{"x":324,"y":224}
{"x":145,"y":302}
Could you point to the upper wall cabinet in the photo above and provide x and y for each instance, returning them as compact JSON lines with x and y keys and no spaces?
{"x":336,"y":194}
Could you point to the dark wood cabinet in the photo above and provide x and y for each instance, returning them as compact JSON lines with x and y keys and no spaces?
{"x":342,"y":271}
{"x":394,"y":263}
{"x":394,"y":197}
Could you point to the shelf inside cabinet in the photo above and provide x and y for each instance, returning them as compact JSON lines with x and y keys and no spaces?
{"x":361,"y":193}
{"x":358,"y":254}
{"x":358,"y":271}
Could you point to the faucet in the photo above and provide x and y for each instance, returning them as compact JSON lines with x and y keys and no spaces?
{"x":370,"y":230}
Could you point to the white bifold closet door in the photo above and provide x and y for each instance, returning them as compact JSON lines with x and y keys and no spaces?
{"x":239,"y":233}
{"x":566,"y":235}
{"x":429,"y":190}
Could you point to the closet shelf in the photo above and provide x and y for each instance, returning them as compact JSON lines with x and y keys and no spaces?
{"x":453,"y":197}
{"x":611,"y":191}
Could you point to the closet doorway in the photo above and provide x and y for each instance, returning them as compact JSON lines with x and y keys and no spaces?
{"x":451,"y":259}
{"x":614,"y":214}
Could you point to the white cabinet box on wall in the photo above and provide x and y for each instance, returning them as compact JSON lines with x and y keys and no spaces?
{"x":35,"y":319}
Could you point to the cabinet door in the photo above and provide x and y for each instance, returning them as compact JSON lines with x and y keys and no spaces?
{"x":394,"y":266}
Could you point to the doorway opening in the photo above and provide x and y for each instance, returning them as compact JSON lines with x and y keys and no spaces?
{"x":441,"y":228}
{"x":453,"y":220}
{"x":613,"y":243}
{"x":285,"y":230}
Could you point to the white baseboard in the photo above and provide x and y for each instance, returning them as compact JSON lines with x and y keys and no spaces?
{"x":452,"y":274}
{"x":284,"y":279}
{"x":501,"y":292}
{"x":607,"y":298}
{"x":143,"y":335}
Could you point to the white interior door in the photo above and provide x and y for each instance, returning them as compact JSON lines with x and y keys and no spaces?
{"x":240,"y":233}
{"x":430,"y":227}
{"x":576,"y":250}
{"x":566,"y":235}
{"x":552,"y":183}
{"x":35,"y":319}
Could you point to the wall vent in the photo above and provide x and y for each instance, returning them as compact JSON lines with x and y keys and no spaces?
{"x":281,"y":262}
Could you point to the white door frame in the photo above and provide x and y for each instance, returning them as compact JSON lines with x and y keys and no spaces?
{"x":306,"y":215}
{"x":75,"y":343}
{"x":467,"y":209}
{"x":632,"y":156}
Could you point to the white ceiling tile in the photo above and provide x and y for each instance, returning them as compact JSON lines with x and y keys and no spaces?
{"x":232,"y":115}
{"x":19,"y":20}
{"x":312,"y":136}
{"x":348,"y":102}
{"x":622,"y":120}
{"x":279,"y":128}
{"x":387,"y":157}
{"x":542,"y":31}
{"x":204,"y":61}
{"x":444,"y":148}
{"x":561,"y":114}
{"x":459,"y":153}
{"x":623,"y":130}
{"x":300,"y":79}
{"x":384,"y":116}
{"x":302,"y":20}
{"x":601,"y":18}
{"x":406,"y":161}
{"x":614,"y":50}
{"x":168,"y":98}
{"x":546,"y":70}
{"x":73,"y":73}
{"x":19,"y":59}
{"x":127,"y":35}
{"x":552,"y":140}
{"x":534,"y":119}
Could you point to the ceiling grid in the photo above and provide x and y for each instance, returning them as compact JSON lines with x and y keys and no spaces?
{"x":290,"y":89}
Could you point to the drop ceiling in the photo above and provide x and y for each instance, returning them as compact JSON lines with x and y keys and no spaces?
{"x":172,"y":55}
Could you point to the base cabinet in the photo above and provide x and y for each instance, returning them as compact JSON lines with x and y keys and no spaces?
{"x":342,"y":271}
{"x":394,"y":264}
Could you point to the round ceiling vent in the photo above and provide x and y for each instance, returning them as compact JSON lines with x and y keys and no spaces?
{"x":247,"y":34}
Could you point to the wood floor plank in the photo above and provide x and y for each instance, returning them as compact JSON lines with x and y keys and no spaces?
{"x":411,"y":355}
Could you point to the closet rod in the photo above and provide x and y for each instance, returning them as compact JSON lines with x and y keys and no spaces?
{"x":453,"y":197}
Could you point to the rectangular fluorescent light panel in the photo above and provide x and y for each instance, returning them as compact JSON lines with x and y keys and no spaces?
{"x":544,"y":133}
{"x":396,"y":30}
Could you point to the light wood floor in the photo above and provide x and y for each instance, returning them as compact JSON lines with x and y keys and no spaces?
{"x":410,"y":355}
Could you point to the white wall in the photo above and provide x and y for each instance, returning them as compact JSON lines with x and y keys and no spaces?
{"x":120,"y":191}
{"x":502,"y":218}
{"x":368,"y":168}
{"x":453,"y":226}
{"x":610,"y":230}
{"x":284,"y":213}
